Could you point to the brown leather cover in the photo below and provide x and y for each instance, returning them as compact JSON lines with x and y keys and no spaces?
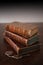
{"x":17,"y":38}
{"x":12,"y":44}
{"x":22,"y":29}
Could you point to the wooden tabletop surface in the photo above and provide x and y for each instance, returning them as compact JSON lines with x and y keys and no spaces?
{"x":35,"y":58}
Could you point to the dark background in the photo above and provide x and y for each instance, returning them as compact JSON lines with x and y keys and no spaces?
{"x":22,"y":12}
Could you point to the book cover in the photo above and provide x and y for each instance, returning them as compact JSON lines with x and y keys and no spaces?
{"x":23,"y":30}
{"x":23,"y":40}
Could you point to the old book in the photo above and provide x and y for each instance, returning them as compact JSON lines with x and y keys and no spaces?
{"x":23,"y":30}
{"x":22,"y":40}
{"x":20,"y":50}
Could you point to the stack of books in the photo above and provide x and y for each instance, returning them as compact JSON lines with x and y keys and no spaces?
{"x":23,"y":38}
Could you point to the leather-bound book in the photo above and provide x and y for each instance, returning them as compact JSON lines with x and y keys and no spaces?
{"x":22,"y":40}
{"x":24,"y":30}
{"x":19,"y":49}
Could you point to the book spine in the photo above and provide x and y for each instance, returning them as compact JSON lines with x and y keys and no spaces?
{"x":12,"y":44}
{"x":20,"y":31}
{"x":17,"y":38}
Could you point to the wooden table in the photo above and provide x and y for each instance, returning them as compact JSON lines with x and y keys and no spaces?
{"x":35,"y":59}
